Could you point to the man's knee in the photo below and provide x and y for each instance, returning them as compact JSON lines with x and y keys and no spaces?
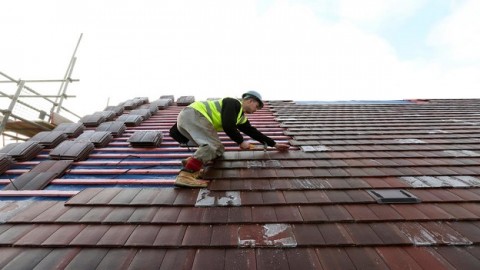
{"x":208,"y":152}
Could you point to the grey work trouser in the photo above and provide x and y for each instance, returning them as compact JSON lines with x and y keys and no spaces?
{"x":193,"y":125}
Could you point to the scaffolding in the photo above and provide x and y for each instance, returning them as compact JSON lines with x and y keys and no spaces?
{"x":15,"y":124}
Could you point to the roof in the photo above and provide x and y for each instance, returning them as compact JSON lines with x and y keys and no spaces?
{"x":365,"y":186}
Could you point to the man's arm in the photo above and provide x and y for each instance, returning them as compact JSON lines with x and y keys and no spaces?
{"x":255,"y":134}
{"x":230,"y":109}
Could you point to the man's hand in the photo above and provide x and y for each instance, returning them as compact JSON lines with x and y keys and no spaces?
{"x":245,"y":145}
{"x":282,"y":147}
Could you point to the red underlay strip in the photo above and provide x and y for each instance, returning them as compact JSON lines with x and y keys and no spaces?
{"x":37,"y":193}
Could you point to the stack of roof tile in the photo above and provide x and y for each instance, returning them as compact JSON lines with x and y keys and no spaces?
{"x":49,"y":139}
{"x":22,"y":151}
{"x":171,"y":98}
{"x":153,"y":108}
{"x":40,"y":176}
{"x":131,"y":104}
{"x":5,"y":162}
{"x":162,"y":103}
{"x":146,"y":138}
{"x":109,"y":115}
{"x":116,"y":128}
{"x":72,"y":150}
{"x":144,"y":113}
{"x":185,"y":100}
{"x":118,"y":110}
{"x":71,"y":129}
{"x":92,"y":120}
{"x":130,"y":120}
{"x":98,"y":138}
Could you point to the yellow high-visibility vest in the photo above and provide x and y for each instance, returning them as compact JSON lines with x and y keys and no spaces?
{"x":212,"y":110}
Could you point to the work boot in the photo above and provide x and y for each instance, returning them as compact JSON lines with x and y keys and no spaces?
{"x":189,"y":179}
{"x":200,"y":173}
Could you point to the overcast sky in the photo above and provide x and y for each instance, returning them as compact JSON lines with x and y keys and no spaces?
{"x":296,"y":50}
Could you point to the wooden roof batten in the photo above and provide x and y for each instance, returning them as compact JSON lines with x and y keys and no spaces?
{"x":18,"y":127}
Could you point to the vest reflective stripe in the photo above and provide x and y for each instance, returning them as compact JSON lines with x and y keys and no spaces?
{"x":212,"y":110}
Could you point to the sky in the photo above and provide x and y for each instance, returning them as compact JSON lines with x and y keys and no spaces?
{"x":287,"y":50}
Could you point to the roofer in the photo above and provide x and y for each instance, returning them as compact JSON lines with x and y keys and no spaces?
{"x":199,"y":123}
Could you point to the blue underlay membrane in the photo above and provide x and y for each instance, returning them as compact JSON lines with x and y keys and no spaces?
{"x":120,"y":176}
{"x":82,"y":187}
{"x":34,"y":198}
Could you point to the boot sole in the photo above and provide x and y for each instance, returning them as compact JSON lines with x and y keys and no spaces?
{"x":189,"y":186}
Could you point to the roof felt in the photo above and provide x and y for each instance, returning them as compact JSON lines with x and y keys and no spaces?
{"x":314,"y":207}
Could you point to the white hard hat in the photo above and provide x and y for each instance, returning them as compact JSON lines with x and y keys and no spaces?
{"x":255,"y":95}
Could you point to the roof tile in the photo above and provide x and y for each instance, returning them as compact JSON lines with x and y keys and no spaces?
{"x":170,"y":235}
{"x":271,"y":259}
{"x":263,"y":214}
{"x":197,"y":235}
{"x":428,"y":257}
{"x":37,"y":235}
{"x":90,"y":235}
{"x":27,"y":259}
{"x":308,"y":235}
{"x":73,"y":214}
{"x":116,"y":235}
{"x":459,"y":257}
{"x":141,"y":215}
{"x":63,"y":235}
{"x":410,"y":212}
{"x":240,"y":259}
{"x":335,"y":234}
{"x":303,"y":258}
{"x":389,"y":233}
{"x":116,"y":259}
{"x":335,"y":258}
{"x":190,"y":215}
{"x":432,"y":211}
{"x":240,"y":214}
{"x":224,"y":235}
{"x":397,"y":258}
{"x":165,"y":215}
{"x":147,"y":259}
{"x":337,"y":213}
{"x":52,"y":213}
{"x":367,"y":257}
{"x":96,"y":214}
{"x":119,"y":215}
{"x":57,"y":258}
{"x":209,"y":259}
{"x":31,"y":212}
{"x":288,"y":214}
{"x":363,"y":234}
{"x":143,"y":235}
{"x":87,"y":259}
{"x":215,"y":215}
{"x":385,"y":212}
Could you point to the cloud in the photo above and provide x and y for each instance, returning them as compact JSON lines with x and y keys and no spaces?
{"x":374,"y":13}
{"x":456,"y":37}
